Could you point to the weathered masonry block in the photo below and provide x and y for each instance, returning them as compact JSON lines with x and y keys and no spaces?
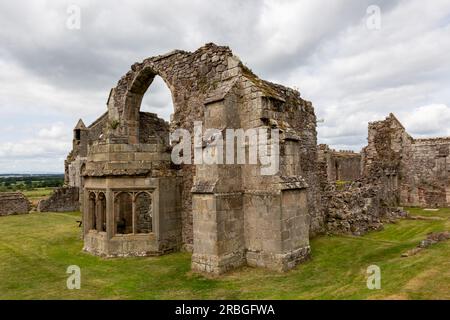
{"x":13,"y":203}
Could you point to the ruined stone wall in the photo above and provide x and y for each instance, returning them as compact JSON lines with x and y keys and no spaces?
{"x":190,"y":77}
{"x":74,"y":172}
{"x":359,"y":207}
{"x":231,"y":214}
{"x":397,"y":170}
{"x":200,"y":78}
{"x":352,"y":209}
{"x":97,"y":129}
{"x":76,"y":159}
{"x":418,"y":167}
{"x":75,"y":163}
{"x":340,"y":165}
{"x":348,"y":165}
{"x":429,"y":174}
{"x":153,"y":129}
{"x":387,"y":157}
{"x":64,"y":199}
{"x":13,"y":203}
{"x":144,"y":213}
{"x":363,"y":205}
{"x":304,"y":121}
{"x":269,"y":226}
{"x":388,"y":148}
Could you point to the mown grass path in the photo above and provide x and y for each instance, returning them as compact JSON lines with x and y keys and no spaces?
{"x":36,"y":249}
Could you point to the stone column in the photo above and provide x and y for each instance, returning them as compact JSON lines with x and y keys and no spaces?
{"x":98,"y":213}
{"x":133,"y":212}
{"x":110,"y":213}
{"x":86,"y":209}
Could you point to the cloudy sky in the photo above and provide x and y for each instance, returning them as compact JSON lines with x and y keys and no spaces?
{"x":353,"y":66}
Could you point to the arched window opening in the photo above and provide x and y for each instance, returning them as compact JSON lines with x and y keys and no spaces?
{"x":158,"y":99}
{"x":144,"y":213}
{"x":123,"y":208}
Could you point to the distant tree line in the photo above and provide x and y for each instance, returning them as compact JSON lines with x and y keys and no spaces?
{"x":30,"y":182}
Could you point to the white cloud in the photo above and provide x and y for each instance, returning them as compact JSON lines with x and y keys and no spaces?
{"x":46,"y":149}
{"x":54,"y":132}
{"x":30,"y":148}
{"x":427,"y":121}
{"x":362,"y":75}
{"x":158,"y":99}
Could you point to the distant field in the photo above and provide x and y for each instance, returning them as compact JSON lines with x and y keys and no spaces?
{"x":29,"y":182}
{"x":37,"y":194}
{"x":36,"y":249}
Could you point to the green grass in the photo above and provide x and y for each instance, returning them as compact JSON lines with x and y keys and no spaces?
{"x":36,"y":249}
{"x":38,"y":193}
{"x":340,"y":184}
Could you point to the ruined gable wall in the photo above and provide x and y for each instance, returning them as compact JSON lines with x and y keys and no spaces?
{"x":413,"y":170}
{"x":387,"y":158}
{"x":388,"y":147}
{"x":13,"y":203}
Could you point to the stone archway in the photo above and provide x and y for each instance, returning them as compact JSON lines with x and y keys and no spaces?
{"x":230,"y":214}
{"x":192,"y":79}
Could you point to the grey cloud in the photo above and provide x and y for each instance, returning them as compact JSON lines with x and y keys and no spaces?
{"x":351,"y":75}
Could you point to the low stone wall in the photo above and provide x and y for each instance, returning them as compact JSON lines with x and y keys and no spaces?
{"x":358,"y":208}
{"x":13,"y":203}
{"x":64,"y":199}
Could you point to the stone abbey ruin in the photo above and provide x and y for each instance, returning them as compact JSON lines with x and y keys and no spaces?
{"x":136,"y":201}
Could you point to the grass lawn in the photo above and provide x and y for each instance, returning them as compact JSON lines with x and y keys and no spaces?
{"x":36,"y":249}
